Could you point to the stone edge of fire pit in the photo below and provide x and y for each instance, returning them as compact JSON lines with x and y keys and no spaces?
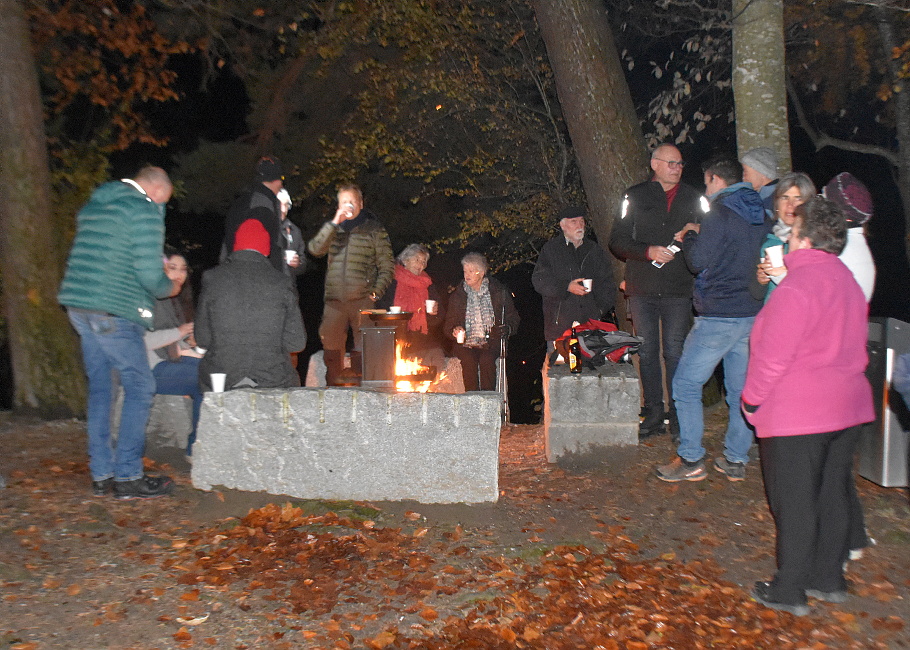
{"x":351,"y":444}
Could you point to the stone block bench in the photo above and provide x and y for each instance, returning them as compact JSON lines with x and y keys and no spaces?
{"x":350,"y":444}
{"x":587,"y":412}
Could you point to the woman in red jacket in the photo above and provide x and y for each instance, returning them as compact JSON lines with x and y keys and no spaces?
{"x":807,"y":395}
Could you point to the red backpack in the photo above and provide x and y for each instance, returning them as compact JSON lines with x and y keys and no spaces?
{"x":599,"y":342}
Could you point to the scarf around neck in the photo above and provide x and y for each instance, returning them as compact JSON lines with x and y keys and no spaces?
{"x":479,"y":316}
{"x":411,"y":293}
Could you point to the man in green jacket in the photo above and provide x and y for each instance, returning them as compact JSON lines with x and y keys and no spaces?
{"x":360,"y":269}
{"x":114,"y":273}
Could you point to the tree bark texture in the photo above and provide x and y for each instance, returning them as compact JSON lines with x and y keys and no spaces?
{"x":48,"y":375}
{"x":759,"y":78}
{"x":901,"y":113}
{"x":597,"y":106}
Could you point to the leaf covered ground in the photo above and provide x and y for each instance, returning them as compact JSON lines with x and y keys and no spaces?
{"x":594,"y":553}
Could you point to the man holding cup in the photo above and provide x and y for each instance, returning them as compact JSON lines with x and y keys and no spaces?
{"x":574,"y":275}
{"x":294,"y":246}
{"x":360,"y":269}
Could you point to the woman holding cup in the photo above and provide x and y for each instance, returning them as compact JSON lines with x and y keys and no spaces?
{"x":792,"y":190}
{"x":480,"y":315}
{"x":172,"y":351}
{"x":412,"y":291}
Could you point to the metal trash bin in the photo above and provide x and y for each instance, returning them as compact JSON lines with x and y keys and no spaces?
{"x":883,"y":446}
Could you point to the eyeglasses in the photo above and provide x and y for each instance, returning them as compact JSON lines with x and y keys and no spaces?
{"x":792,"y":199}
{"x":672,"y":163}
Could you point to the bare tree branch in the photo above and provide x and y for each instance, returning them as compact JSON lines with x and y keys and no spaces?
{"x":821,"y":140}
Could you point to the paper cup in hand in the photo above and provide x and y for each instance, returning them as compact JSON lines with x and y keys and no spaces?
{"x":775,"y":255}
{"x":588,"y":284}
{"x":459,"y":338}
{"x":431,"y":306}
{"x":218,"y":381}
{"x":289,"y":256}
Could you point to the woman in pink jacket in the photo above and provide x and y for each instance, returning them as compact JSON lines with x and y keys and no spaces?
{"x":807,"y":396}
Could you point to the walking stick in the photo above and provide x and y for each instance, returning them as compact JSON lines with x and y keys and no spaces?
{"x":502,"y":384}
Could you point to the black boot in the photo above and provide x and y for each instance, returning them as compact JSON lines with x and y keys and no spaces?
{"x":652,"y":423}
{"x":333,"y":366}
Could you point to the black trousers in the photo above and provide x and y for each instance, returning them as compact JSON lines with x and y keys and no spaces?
{"x":807,"y":482}
{"x":478,"y":367}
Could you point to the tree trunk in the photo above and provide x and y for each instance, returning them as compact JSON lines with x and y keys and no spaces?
{"x":759,"y":78}
{"x":901,"y":113}
{"x":596,"y":104}
{"x":48,"y":374}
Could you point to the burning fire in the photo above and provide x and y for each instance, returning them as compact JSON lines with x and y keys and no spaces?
{"x":411,"y":367}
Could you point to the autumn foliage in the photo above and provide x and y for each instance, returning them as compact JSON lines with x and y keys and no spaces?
{"x":573,"y":597}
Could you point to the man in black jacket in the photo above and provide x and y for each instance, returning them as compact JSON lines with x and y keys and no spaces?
{"x":260,"y":202}
{"x":658,"y":282}
{"x":564,"y":264}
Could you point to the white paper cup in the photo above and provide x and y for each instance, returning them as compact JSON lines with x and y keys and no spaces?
{"x":431,"y":306}
{"x":588,"y":284}
{"x":394,"y":309}
{"x":289,"y":256}
{"x":775,"y":255}
{"x":218,"y":382}
{"x":460,"y":337}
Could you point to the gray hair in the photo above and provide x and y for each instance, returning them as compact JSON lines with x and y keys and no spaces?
{"x":411,"y":251}
{"x":798,"y":180}
{"x":476,"y":259}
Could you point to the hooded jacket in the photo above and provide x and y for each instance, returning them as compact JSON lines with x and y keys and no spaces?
{"x":725,"y":252}
{"x":360,"y":259}
{"x":115,"y":264}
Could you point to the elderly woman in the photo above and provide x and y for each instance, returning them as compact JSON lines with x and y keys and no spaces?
{"x":171,"y":348}
{"x":807,"y":396}
{"x":480,"y":314}
{"x":792,"y":190}
{"x":411,"y":288}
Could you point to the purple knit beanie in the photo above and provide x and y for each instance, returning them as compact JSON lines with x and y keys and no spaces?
{"x":852,"y":197}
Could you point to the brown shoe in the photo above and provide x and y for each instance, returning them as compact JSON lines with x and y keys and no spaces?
{"x":679,"y":469}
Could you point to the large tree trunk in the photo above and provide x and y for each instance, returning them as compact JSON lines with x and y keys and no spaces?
{"x":759,"y":78}
{"x":901,"y":113}
{"x":48,"y":375}
{"x":596,"y":104}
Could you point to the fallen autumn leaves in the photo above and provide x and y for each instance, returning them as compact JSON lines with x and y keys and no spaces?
{"x":571,"y":598}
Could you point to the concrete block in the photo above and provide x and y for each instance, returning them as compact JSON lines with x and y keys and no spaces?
{"x":583,"y":413}
{"x":170,"y":420}
{"x":351,"y":444}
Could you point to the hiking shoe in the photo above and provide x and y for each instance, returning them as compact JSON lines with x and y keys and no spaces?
{"x":828,"y":596}
{"x":147,"y":487}
{"x":733,"y":471}
{"x":102,"y":488}
{"x":682,"y":470}
{"x":761,"y":593}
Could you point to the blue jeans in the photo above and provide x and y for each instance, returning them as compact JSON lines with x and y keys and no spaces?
{"x":114,"y":343}
{"x":659,"y":320}
{"x":710,"y":341}
{"x":181,"y":377}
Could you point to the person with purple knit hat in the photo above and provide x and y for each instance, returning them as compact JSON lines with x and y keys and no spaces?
{"x":855,"y":201}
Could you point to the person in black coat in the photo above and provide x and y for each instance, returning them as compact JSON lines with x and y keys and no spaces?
{"x":564,"y":263}
{"x":248,"y":319}
{"x":479,"y":315}
{"x":260,"y":202}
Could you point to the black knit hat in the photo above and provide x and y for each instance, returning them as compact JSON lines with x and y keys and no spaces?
{"x":571,"y":212}
{"x":269,"y":169}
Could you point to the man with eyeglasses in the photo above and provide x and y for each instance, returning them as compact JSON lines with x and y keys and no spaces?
{"x":657,"y":281}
